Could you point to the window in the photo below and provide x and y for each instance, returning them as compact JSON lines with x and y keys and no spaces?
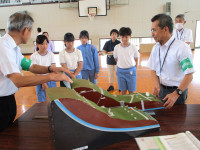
{"x":134,"y":40}
{"x":102,"y":43}
{"x":197,"y":39}
{"x":142,"y":40}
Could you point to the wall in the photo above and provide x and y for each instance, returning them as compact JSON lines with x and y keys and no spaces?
{"x":136,"y":15}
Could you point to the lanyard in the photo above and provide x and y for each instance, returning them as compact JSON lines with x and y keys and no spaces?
{"x":165,"y":56}
{"x":180,"y":35}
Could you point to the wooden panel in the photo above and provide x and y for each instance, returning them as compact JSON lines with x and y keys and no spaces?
{"x":146,"y":48}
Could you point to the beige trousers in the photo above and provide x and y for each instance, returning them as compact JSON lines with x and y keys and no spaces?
{"x":111,"y":71}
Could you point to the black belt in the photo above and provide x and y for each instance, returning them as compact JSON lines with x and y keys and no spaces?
{"x":169,"y":87}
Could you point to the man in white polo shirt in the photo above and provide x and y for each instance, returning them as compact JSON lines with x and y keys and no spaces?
{"x":12,"y":61}
{"x":182,"y":33}
{"x":171,"y":63}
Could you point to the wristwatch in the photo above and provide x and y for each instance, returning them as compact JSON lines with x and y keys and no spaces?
{"x":179,"y":92}
{"x":49,"y":69}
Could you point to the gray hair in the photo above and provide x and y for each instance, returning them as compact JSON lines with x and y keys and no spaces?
{"x":19,"y":21}
{"x":181,"y":16}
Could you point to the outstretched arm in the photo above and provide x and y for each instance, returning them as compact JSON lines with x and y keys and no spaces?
{"x":23,"y":81}
{"x":37,"y":69}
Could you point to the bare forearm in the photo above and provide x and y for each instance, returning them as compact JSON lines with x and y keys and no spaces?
{"x":136,"y":61}
{"x":155,"y":78}
{"x":111,"y":52}
{"x":24,"y":81}
{"x":104,"y":51}
{"x":38,"y":69}
{"x":79,"y":68}
{"x":186,"y":81}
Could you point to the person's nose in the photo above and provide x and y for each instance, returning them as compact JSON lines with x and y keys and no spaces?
{"x":152,"y":34}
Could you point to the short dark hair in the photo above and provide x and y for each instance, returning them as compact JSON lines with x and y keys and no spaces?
{"x":123,"y":31}
{"x":40,"y":39}
{"x":69,"y":37}
{"x":84,"y":33}
{"x":39,"y":29}
{"x":46,"y":33}
{"x":164,"y":21}
{"x":181,"y":16}
{"x":114,"y":31}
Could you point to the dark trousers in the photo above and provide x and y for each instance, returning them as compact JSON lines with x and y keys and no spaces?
{"x":164,"y":91}
{"x":7,"y":111}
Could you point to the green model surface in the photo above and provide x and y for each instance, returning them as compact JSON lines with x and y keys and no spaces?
{"x":120,"y":112}
{"x":134,"y":97}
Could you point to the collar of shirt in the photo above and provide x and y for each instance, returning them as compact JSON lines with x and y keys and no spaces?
{"x":167,"y":43}
{"x":84,"y":45}
{"x":11,"y":41}
{"x":181,"y":30}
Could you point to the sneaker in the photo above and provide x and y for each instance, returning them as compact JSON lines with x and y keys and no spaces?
{"x":110,"y":88}
{"x":119,"y":90}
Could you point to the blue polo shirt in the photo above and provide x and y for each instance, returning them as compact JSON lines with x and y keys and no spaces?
{"x":90,"y":57}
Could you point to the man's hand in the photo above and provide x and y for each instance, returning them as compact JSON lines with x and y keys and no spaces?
{"x":44,"y":86}
{"x":170,"y":99}
{"x":96,"y":76}
{"x":59,"y":77}
{"x":111,"y":52}
{"x":156,"y":91}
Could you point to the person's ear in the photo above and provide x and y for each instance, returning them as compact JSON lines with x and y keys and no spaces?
{"x":184,"y":22}
{"x":166,"y":29}
{"x":25,"y":31}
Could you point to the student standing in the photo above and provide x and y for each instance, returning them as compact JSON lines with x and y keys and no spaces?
{"x":44,"y":58}
{"x":170,"y":62}
{"x":182,"y":33}
{"x":71,"y":58}
{"x":126,"y":55}
{"x":90,"y":58}
{"x":111,"y":63}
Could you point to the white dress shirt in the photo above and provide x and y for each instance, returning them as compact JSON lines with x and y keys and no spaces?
{"x":125,"y":55}
{"x":171,"y":73}
{"x":10,"y":60}
{"x":184,"y":35}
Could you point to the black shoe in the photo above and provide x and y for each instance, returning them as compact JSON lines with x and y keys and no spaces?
{"x":119,"y":90}
{"x":110,"y":88}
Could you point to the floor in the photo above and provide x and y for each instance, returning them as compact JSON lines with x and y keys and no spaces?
{"x":26,"y":96}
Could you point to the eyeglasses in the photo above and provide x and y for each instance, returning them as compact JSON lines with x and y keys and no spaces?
{"x":153,"y":30}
